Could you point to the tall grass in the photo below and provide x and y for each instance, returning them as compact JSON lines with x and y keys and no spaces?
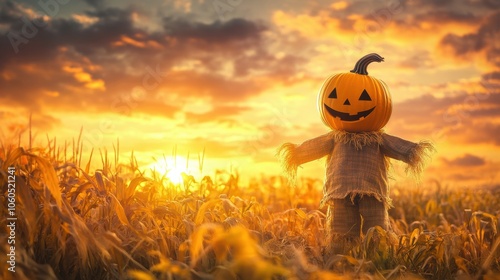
{"x":118,"y":222}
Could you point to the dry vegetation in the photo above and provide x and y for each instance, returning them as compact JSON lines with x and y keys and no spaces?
{"x":118,"y":223}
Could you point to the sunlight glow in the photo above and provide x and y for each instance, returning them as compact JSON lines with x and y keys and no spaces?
{"x":169,"y":169}
{"x":175,"y":175}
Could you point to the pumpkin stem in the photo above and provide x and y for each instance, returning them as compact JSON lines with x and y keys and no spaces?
{"x":362,"y":64}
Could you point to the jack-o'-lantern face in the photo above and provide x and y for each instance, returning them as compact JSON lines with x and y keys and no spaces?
{"x":355,"y":102}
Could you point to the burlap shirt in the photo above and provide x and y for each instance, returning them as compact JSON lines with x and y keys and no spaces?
{"x":357,"y":163}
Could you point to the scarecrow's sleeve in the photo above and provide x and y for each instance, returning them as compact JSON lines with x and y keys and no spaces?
{"x":292,"y":155}
{"x":414,"y":154}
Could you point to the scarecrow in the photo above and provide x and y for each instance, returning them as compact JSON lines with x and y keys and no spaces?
{"x":356,"y":107}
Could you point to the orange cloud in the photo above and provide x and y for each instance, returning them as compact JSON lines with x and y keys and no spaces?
{"x":86,"y":78}
{"x":85,"y":20}
{"x":125,"y":40}
{"x":52,"y":93}
{"x":129,"y":41}
{"x":340,"y":5}
{"x":379,"y":26}
{"x":320,"y":26}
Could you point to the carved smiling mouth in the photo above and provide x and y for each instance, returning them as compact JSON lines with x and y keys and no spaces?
{"x":346,"y":116}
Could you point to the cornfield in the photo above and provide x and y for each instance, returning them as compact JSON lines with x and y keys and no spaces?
{"x":120,"y":222}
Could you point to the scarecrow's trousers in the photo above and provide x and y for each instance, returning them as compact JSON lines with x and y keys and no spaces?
{"x":348,"y":217}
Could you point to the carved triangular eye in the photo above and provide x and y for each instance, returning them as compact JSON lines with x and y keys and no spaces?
{"x":365,"y":96}
{"x":333,"y":94}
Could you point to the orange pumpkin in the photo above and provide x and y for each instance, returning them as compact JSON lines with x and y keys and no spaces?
{"x":354,"y":101}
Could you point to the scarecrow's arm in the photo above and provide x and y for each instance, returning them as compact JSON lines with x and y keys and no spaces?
{"x":292,"y":155}
{"x":414,"y":154}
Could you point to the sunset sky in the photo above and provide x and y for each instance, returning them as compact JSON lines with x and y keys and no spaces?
{"x":238,"y":77}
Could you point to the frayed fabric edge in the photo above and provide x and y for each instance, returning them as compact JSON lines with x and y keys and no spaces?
{"x":328,"y":199}
{"x":287,"y":157}
{"x":419,"y":157}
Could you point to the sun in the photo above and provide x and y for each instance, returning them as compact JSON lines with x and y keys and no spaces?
{"x":172,"y":173}
{"x":175,"y":175}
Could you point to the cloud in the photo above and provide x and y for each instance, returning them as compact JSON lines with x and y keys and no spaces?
{"x":466,"y":113}
{"x":482,"y":42}
{"x":466,"y":170}
{"x":96,"y":3}
{"x":9,"y":12}
{"x":17,"y":123}
{"x":491,"y":4}
{"x":421,"y":59}
{"x":219,"y":113}
{"x":85,"y":78}
{"x":215,"y":32}
{"x":218,"y":88}
{"x":340,"y":5}
{"x":491,"y":76}
{"x":87,"y":40}
{"x":397,"y":27}
{"x":91,"y":60}
{"x":84,"y":19}
{"x":477,"y":133}
{"x":467,"y":160}
{"x":468,"y":6}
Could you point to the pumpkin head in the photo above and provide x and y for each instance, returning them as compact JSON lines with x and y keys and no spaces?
{"x":355,"y":102}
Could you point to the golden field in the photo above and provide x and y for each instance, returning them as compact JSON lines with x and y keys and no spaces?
{"x":120,"y":222}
